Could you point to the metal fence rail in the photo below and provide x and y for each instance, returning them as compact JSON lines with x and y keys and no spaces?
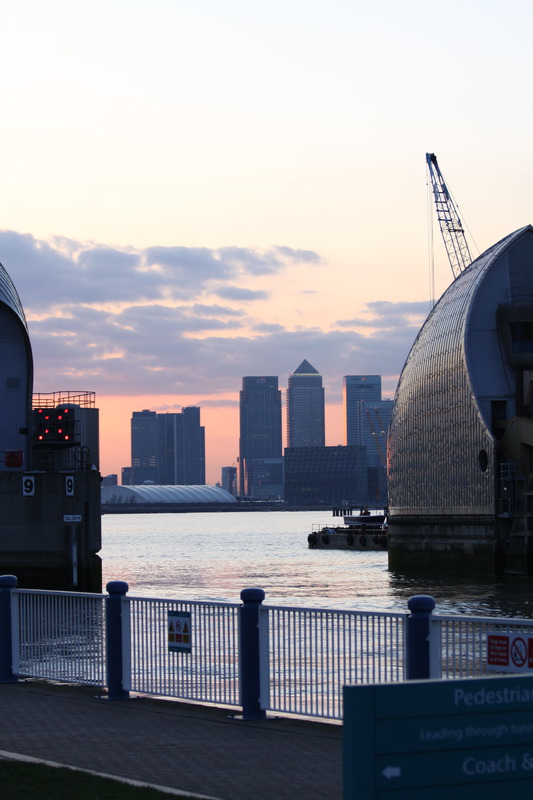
{"x":258,"y":657}
{"x":61,"y":636}
{"x":208,"y":673}
{"x":313,"y":653}
{"x":458,"y":645}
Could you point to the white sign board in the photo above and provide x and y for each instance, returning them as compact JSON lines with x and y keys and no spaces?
{"x":179,"y":631}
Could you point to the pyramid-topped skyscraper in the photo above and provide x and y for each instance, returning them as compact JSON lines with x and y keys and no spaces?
{"x":305,"y":408}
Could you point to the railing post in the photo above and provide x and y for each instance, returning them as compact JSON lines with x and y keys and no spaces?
{"x":116,"y":658}
{"x":418,"y":660}
{"x":250,"y":654}
{"x":7,"y":674}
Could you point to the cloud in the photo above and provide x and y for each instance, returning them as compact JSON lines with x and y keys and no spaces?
{"x":122,"y":321}
{"x":241,"y":294}
{"x":385,"y":314}
{"x":54,"y":273}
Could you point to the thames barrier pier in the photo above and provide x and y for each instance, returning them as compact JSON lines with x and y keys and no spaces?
{"x":461,"y":434}
{"x":50,"y":529}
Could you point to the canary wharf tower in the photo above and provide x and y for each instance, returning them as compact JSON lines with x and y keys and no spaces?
{"x":305,"y":408}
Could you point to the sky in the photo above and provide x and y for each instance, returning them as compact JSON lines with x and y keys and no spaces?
{"x":194,"y":192}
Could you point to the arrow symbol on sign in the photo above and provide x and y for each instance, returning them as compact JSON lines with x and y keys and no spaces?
{"x":392,"y":772}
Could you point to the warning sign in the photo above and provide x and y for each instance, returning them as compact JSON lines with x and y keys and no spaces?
{"x":179,"y":631}
{"x":509,"y":652}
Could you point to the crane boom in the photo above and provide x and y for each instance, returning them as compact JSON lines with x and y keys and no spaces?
{"x":450,"y":223}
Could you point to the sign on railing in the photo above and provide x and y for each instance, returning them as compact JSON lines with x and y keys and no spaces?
{"x":179,"y":631}
{"x":509,"y":652}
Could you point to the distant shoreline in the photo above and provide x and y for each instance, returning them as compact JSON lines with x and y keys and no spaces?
{"x":199,"y":508}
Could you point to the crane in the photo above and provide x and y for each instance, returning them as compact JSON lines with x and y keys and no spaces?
{"x":450,"y":223}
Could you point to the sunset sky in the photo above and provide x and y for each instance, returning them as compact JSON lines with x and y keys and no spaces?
{"x":194,"y":192}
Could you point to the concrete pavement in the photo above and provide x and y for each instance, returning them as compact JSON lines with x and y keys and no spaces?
{"x":196,"y":749}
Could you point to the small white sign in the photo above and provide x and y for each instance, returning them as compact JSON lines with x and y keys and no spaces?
{"x":69,"y":485}
{"x":72,"y":518}
{"x":179,"y":631}
{"x":28,"y":485}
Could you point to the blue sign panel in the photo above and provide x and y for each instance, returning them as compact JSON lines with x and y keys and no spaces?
{"x":438,"y":739}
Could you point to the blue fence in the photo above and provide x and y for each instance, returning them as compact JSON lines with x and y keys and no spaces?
{"x":248,"y":655}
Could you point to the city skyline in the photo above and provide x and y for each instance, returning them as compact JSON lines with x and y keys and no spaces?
{"x":173,"y":221}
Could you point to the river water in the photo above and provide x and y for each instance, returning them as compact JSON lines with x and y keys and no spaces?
{"x":213,"y":556}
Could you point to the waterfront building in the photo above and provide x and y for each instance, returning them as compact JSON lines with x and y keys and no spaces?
{"x":305,"y":407}
{"x":260,"y":431}
{"x":326,"y":476}
{"x":153,"y":497}
{"x":461,"y":433}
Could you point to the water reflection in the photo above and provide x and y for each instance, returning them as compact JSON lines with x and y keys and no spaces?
{"x":213,"y":556}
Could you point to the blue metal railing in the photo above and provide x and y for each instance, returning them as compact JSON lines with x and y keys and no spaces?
{"x":252,"y":656}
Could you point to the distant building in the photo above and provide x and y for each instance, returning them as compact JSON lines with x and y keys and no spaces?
{"x":143,"y":447}
{"x":358,"y":389}
{"x":326,"y":476}
{"x":305,"y":408}
{"x":268,"y":479}
{"x":181,"y":448}
{"x":109,"y":480}
{"x":375,"y":420}
{"x":167,"y":449}
{"x":367,"y":419}
{"x":229,"y":479}
{"x":260,"y":430}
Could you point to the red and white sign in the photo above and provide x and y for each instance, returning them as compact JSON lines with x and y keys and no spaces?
{"x":509,"y":652}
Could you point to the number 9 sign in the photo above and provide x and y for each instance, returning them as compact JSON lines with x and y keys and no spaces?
{"x":28,"y":485}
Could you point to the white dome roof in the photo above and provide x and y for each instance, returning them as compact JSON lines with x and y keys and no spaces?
{"x":171,"y":495}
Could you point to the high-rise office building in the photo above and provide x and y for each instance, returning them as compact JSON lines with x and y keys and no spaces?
{"x":367,"y":424}
{"x":260,"y":453}
{"x":356,"y":390}
{"x":181,"y":448}
{"x":143,"y":447}
{"x":168,"y":449}
{"x":375,"y":421}
{"x":305,"y":408}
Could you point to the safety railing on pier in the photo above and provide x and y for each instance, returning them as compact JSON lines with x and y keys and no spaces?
{"x":459,"y":645}
{"x":61,"y":636}
{"x":252,"y":656}
{"x":205,"y":671}
{"x":313,"y":653}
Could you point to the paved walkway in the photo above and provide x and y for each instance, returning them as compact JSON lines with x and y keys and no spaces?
{"x":194,"y":749}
